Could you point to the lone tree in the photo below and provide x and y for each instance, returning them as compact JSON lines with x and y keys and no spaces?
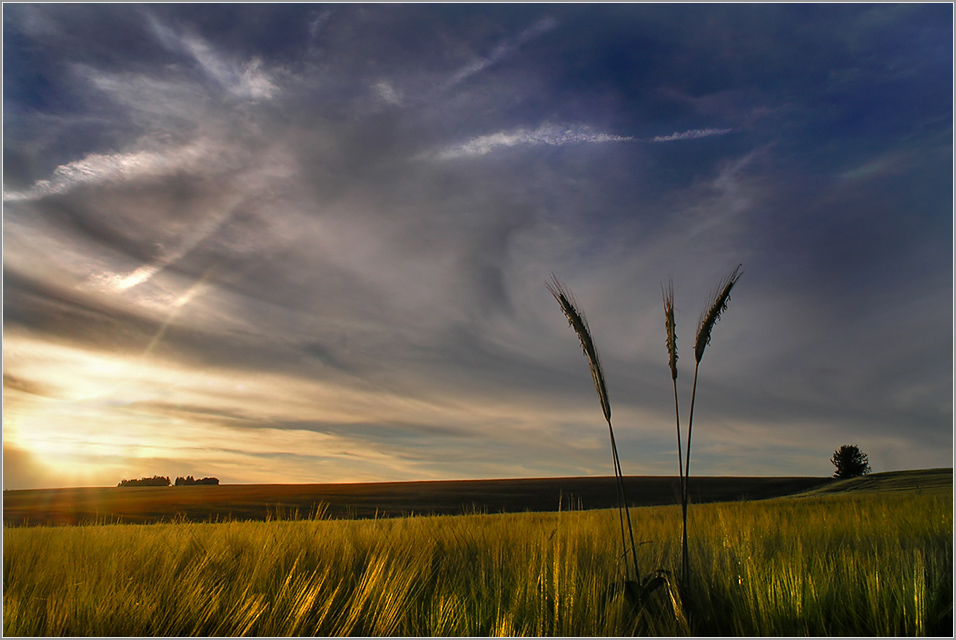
{"x":850,"y":462}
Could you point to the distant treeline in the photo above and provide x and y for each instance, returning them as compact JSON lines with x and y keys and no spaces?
{"x":188,"y":480}
{"x":155,"y":481}
{"x":163,"y":481}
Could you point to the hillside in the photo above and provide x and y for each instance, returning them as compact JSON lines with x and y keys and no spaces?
{"x":918,"y":480}
{"x":394,"y":499}
{"x":387,"y":499}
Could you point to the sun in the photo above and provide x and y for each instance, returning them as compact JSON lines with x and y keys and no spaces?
{"x":68,"y":442}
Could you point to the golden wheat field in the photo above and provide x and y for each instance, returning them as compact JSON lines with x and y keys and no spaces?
{"x":870,"y":556}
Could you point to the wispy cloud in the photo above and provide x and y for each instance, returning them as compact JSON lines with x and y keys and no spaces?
{"x":199,"y":232}
{"x":691,"y":134}
{"x":503,"y":50}
{"x":351,"y":238}
{"x":249,"y":80}
{"x":547,"y":134}
{"x":555,"y":135}
{"x":319,"y":18}
{"x":387,"y":93}
{"x":115,"y":167}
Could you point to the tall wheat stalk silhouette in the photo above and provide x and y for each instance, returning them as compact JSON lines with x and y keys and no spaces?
{"x":705,"y":328}
{"x":580,"y":325}
{"x":671,"y":325}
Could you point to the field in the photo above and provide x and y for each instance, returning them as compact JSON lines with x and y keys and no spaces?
{"x":872,"y":556}
{"x":141,"y":505}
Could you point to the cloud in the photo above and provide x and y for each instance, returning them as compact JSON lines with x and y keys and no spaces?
{"x":503,"y":50}
{"x":99,"y":169}
{"x":318,"y":21}
{"x":199,"y":232}
{"x":554,"y":135}
{"x":546,"y":134}
{"x":691,"y":134}
{"x":218,"y":233}
{"x":387,"y":93}
{"x":249,"y":80}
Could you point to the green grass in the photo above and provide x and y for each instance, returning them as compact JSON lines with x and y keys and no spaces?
{"x":865,"y":563}
{"x":922,"y":480}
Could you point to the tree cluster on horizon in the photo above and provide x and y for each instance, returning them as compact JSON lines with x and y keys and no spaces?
{"x":155,"y":481}
{"x":164,"y":481}
{"x":189,"y":480}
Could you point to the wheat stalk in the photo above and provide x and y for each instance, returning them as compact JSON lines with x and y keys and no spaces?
{"x":671,"y":326}
{"x":580,"y":325}
{"x":705,"y":328}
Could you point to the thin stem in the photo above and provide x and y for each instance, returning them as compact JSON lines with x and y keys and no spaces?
{"x":580,"y":325}
{"x":680,"y":455}
{"x":622,"y":506}
{"x":685,"y":556}
{"x":680,"y":468}
{"x":620,"y":513}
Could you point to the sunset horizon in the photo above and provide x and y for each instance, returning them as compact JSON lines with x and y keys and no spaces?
{"x":309,"y":244}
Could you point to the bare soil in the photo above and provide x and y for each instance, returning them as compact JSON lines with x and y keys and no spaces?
{"x":103,"y":505}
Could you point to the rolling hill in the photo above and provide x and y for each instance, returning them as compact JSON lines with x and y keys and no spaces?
{"x":394,"y":499}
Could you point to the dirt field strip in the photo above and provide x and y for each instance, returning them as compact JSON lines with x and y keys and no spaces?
{"x":387,"y":499}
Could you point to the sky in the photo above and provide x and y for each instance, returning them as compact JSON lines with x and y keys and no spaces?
{"x":311,"y":243}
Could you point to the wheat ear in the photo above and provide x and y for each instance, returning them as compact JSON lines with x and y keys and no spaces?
{"x":705,"y":328}
{"x":580,"y":325}
{"x":671,"y":326}
{"x":707,"y":320}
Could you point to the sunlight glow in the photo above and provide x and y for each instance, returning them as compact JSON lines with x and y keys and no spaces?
{"x":103,"y":416}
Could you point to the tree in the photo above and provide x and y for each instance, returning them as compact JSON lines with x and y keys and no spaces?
{"x":155,"y":481}
{"x":189,"y":481}
{"x":850,"y":462}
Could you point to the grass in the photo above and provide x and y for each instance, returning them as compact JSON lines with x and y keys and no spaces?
{"x":923,"y":480}
{"x":854,"y":563}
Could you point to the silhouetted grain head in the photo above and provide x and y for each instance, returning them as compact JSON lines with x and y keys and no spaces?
{"x":708,"y":319}
{"x":668,"y":295}
{"x":580,"y":325}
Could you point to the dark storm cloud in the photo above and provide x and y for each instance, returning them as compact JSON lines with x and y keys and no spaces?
{"x":374,"y":196}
